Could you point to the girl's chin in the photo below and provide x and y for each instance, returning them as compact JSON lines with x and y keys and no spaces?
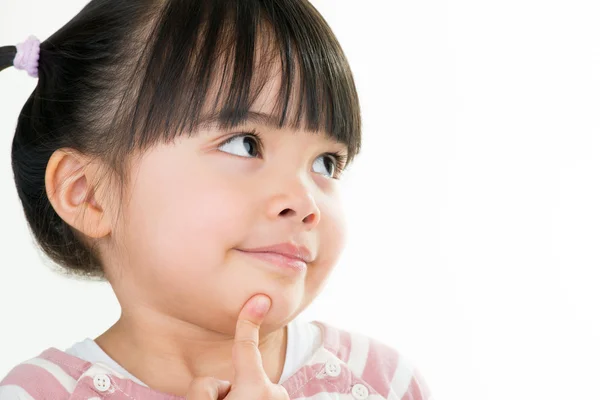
{"x":280,"y":315}
{"x":282,"y":311}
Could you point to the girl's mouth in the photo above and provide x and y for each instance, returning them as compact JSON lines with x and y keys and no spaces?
{"x":280,"y":260}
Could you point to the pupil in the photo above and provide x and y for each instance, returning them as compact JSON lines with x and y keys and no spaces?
{"x":249,"y":145}
{"x":329,"y":165}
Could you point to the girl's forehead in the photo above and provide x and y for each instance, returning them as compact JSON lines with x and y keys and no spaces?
{"x":266,"y":105}
{"x":298,"y":78}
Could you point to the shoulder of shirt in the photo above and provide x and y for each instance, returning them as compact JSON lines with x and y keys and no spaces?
{"x":52,"y":374}
{"x":382,"y":367}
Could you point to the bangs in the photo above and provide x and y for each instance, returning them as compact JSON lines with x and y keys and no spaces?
{"x":207,"y":62}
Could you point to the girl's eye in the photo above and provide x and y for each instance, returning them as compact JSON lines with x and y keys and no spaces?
{"x":328,"y":165}
{"x":246,"y":145}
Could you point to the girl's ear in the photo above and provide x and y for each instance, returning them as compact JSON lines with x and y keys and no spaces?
{"x":69,"y":179}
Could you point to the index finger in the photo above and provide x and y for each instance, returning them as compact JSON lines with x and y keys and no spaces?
{"x":247,"y":361}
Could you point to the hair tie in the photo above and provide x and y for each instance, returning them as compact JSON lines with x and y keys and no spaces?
{"x":28,"y":55}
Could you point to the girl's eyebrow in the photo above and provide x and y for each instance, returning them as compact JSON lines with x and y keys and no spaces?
{"x":249,"y":117}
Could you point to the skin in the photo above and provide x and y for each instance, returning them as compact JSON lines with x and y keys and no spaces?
{"x":251,"y":381}
{"x":170,"y":249}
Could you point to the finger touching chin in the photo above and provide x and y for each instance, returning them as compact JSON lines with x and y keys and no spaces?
{"x":285,"y":306}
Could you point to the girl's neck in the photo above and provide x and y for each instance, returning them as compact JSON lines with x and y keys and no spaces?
{"x":166,"y":354}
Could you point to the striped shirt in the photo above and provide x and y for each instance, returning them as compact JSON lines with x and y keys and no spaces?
{"x":303,"y":339}
{"x":346,"y":366}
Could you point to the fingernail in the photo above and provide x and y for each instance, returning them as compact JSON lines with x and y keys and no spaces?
{"x":224,"y":383}
{"x":262,"y":304}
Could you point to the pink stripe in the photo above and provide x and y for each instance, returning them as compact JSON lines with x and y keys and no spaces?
{"x":36,"y":381}
{"x":296,"y":383}
{"x":414,"y":391}
{"x":381,"y":366}
{"x":336,"y":341}
{"x":72,"y":365}
{"x":331,"y":337}
{"x":306,"y":383}
{"x":127,"y":389}
{"x":422,"y":384}
{"x":345,"y":346}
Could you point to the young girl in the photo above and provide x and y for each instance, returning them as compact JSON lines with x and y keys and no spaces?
{"x":189,"y":151}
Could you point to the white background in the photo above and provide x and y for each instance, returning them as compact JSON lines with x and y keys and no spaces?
{"x":474,"y":208}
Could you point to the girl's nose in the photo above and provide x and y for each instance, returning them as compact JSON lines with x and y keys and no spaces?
{"x":295,"y":202}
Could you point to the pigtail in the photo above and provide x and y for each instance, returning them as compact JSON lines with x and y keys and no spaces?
{"x":7,"y":56}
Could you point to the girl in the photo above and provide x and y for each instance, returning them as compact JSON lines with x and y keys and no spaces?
{"x":189,"y":153}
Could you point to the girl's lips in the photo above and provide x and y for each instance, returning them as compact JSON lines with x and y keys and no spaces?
{"x":287,"y":249}
{"x":280,"y":260}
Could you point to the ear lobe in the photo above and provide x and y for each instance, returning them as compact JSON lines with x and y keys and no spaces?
{"x":69,"y":185}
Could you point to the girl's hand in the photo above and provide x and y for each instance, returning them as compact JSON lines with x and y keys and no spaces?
{"x":251,"y":381}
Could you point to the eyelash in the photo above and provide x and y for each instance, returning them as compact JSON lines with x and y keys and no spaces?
{"x":340,"y":162}
{"x":338,"y":157}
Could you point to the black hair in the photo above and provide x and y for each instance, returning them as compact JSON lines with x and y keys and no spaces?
{"x":122,"y":76}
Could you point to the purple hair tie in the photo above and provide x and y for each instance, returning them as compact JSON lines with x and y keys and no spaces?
{"x":28,"y":55}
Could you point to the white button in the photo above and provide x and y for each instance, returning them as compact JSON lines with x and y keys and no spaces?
{"x":102,"y":382}
{"x":360,"y":391}
{"x":332,"y":368}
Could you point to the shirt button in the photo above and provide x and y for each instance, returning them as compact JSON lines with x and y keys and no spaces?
{"x":332,"y":368}
{"x":360,"y":391}
{"x":102,"y":382}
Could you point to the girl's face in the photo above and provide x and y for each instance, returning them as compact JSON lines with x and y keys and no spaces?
{"x":197,"y":206}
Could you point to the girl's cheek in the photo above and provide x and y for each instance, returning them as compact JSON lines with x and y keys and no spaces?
{"x":332,"y":232}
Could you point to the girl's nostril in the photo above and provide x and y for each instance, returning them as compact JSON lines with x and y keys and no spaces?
{"x":286,"y":212}
{"x":309,"y":218}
